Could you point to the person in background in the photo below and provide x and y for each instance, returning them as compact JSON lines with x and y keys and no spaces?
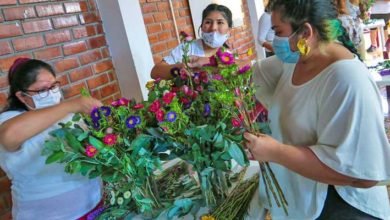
{"x":349,"y":15}
{"x":41,"y":191}
{"x":379,"y":10}
{"x":265,"y":34}
{"x":328,"y":148}
{"x":215,"y":29}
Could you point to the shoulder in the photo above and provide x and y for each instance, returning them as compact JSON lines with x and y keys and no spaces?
{"x":4,"y":116}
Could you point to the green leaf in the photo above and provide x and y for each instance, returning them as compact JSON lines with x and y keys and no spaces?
{"x":237,"y":154}
{"x":76,"y":117}
{"x":55,"y":157}
{"x":83,"y":136}
{"x":218,"y":140}
{"x":85,"y":92}
{"x":95,"y":142}
{"x":119,"y":212}
{"x":72,"y":141}
{"x":85,"y":168}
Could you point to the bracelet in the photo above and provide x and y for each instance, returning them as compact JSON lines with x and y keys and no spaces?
{"x":175,"y":72}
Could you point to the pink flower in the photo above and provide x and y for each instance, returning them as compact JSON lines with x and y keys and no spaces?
{"x":217,"y":77}
{"x":168,"y":97}
{"x":184,"y":100}
{"x":236,"y":122}
{"x":197,"y":80}
{"x":183,"y":74}
{"x":160,"y":115}
{"x":109,"y":130}
{"x":226,"y":58}
{"x":175,"y":89}
{"x":194,"y":95}
{"x":199,"y":88}
{"x":186,"y":90}
{"x":244,"y":69}
{"x":238,"y":103}
{"x":109,"y":139}
{"x":237,"y":92}
{"x":138,"y":106}
{"x":120,"y":102}
{"x":188,"y":38}
{"x":90,"y":151}
{"x":155,"y":106}
{"x":204,"y":77}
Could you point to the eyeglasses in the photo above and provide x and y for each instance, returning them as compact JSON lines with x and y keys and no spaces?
{"x":43,"y":93}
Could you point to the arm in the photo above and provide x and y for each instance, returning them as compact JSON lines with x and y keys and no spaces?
{"x":163,"y":70}
{"x":263,"y":28}
{"x":31,"y":123}
{"x":301,"y":160}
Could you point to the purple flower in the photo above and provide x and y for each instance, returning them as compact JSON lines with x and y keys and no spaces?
{"x":106,"y":110}
{"x":95,"y":114}
{"x":131,"y":121}
{"x":171,"y":116}
{"x":207,"y":109}
{"x":138,"y":120}
{"x":96,"y":125}
{"x":226,"y":58}
{"x":244,"y":69}
{"x":217,"y":77}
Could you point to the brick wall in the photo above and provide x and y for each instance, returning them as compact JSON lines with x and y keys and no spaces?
{"x":68,"y":34}
{"x":161,"y":32}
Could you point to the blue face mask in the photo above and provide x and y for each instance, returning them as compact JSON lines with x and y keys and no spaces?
{"x":283,"y":51}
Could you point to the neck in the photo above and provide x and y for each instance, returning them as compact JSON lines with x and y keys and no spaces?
{"x":208,"y":50}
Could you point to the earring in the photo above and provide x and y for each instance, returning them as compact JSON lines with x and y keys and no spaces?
{"x":303,"y":48}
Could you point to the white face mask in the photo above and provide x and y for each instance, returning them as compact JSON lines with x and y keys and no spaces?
{"x":214,"y":39}
{"x":53,"y":98}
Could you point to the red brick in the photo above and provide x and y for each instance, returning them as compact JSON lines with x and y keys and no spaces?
{"x":99,"y":29}
{"x":75,"y":47}
{"x":87,"y":18}
{"x":160,"y":16}
{"x":172,"y":44}
{"x":97,"y":42}
{"x":184,"y":12}
{"x":105,"y":52}
{"x":58,"y":37}
{"x":164,"y":36}
{"x":7,"y":62}
{"x":37,"y":26}
{"x":73,"y":90}
{"x":63,"y":79}
{"x":49,"y":10}
{"x":19,"y":13}
{"x":163,"y":6}
{"x":90,"y":56}
{"x":159,"y":47}
{"x":180,"y":22}
{"x":112,"y":75}
{"x":7,"y":2}
{"x":1,"y":18}
{"x":148,"y":19}
{"x":63,"y":22}
{"x":97,"y":81}
{"x":84,"y":31}
{"x":109,"y":90}
{"x":147,"y":8}
{"x":31,"y":1}
{"x":153,"y":39}
{"x":28,"y":43}
{"x":102,"y":66}
{"x":3,"y":81}
{"x":79,"y":74}
{"x":96,"y":94}
{"x":5,"y":48}
{"x":10,"y":30}
{"x":48,"y":53}
{"x":167,"y":26}
{"x":153,"y":28}
{"x":5,"y":185}
{"x":74,"y":7}
{"x":3,"y":102}
{"x":66,"y":64}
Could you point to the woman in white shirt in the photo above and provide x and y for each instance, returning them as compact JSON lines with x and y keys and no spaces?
{"x":215,"y":29}
{"x":41,"y":191}
{"x":265,"y":34}
{"x":328,"y":147}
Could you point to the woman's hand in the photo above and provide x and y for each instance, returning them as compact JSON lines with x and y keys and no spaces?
{"x":197,"y":62}
{"x":268,"y":46}
{"x":263,"y":147}
{"x":83,"y":104}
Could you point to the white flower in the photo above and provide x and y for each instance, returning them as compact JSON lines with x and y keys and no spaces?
{"x":127,"y":194}
{"x":112,"y":201}
{"x":162,"y":83}
{"x":120,"y":201}
{"x":112,"y":194}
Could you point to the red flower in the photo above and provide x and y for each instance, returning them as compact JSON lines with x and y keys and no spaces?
{"x":194,"y":95}
{"x":199,"y":88}
{"x":175,"y":89}
{"x":184,"y":100}
{"x":90,"y":151}
{"x":109,"y":139}
{"x":213,"y":61}
{"x":168,"y":97}
{"x":155,"y":106}
{"x":160,"y":115}
{"x":236,"y":122}
{"x":138,"y":106}
{"x":237,"y":91}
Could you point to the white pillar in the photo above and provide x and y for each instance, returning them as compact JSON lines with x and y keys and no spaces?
{"x":256,"y":9}
{"x":129,"y":45}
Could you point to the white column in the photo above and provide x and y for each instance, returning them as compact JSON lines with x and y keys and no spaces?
{"x":256,"y":9}
{"x":129,"y":45}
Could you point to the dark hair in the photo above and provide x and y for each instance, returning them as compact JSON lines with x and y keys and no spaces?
{"x":225,"y":11}
{"x":320,"y":14}
{"x":20,"y":76}
{"x":268,"y":7}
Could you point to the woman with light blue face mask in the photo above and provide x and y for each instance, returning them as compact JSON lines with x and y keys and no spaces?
{"x":328,"y":148}
{"x":35,"y":108}
{"x":215,"y":30}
